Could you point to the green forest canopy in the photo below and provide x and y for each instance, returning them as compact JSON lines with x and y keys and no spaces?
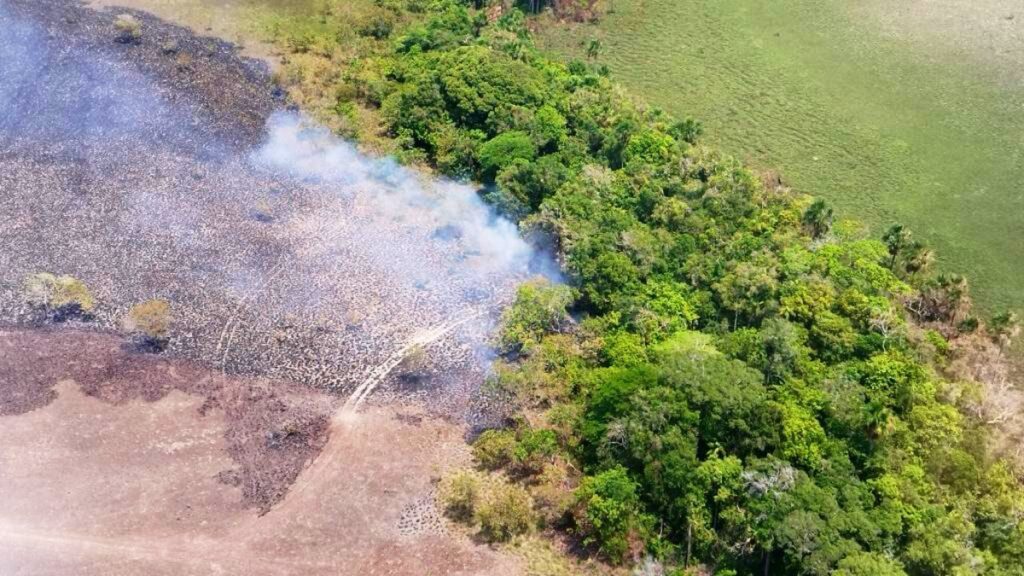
{"x":731,"y":378}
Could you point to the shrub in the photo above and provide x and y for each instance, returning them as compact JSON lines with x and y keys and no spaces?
{"x":61,"y":297}
{"x":129,"y":30}
{"x":506,"y":511}
{"x":378,"y":25}
{"x":501,"y":510}
{"x":459,"y":494}
{"x":1004,"y":327}
{"x":540,"y":307}
{"x":528,"y":449}
{"x":687,"y":130}
{"x":968,"y":325}
{"x":553,"y":491}
{"x":415,"y":363}
{"x":495,"y":448}
{"x":150,"y":321}
{"x":534,"y":449}
{"x":938,"y":341}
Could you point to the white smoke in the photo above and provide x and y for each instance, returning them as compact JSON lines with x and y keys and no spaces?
{"x":305,"y":150}
{"x":295,"y":256}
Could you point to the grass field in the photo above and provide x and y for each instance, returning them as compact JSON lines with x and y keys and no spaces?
{"x":910,"y":113}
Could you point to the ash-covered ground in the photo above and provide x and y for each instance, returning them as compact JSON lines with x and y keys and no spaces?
{"x":170,"y":168}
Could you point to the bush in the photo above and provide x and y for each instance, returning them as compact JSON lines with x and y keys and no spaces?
{"x":506,"y":511}
{"x":553,"y":491}
{"x":534,"y":449}
{"x":378,"y":25}
{"x":502,"y":510}
{"x":415,"y":363}
{"x":150,"y":321}
{"x":129,"y":30}
{"x":540,"y":307}
{"x":61,"y":297}
{"x":495,"y":449}
{"x":687,"y":130}
{"x":459,"y":494}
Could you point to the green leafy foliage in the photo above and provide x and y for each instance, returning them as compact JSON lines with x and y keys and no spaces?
{"x":505,"y":150}
{"x":494,"y":449}
{"x":499,"y":509}
{"x":505,"y":511}
{"x":740,"y":384}
{"x":460,"y":493}
{"x":540,"y":308}
{"x":608,"y":513}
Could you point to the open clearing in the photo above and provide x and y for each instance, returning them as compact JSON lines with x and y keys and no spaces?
{"x":283,"y":251}
{"x":328,"y":340}
{"x":236,"y":21}
{"x":893,"y":111}
{"x":125,"y":464}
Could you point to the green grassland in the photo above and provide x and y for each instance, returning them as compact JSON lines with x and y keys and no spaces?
{"x":883,"y":129}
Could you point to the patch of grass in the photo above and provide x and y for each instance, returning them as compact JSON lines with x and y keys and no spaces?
{"x":60,"y":297}
{"x":845,"y":112}
{"x":150,"y":322}
{"x":324,"y":45}
{"x":540,"y":558}
{"x":129,"y":30}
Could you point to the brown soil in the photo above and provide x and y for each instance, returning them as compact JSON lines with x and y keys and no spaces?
{"x":274,"y":427}
{"x":119,"y":463}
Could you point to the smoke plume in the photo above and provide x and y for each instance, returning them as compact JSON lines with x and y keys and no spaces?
{"x":302,"y":149}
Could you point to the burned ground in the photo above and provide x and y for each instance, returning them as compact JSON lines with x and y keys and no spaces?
{"x":329,"y":333}
{"x":284,"y":252}
{"x":225,"y":97}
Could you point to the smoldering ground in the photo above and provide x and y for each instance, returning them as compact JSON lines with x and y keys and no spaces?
{"x":168,"y":168}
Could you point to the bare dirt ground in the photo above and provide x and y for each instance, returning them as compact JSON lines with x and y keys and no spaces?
{"x":273,"y":428}
{"x":129,"y":464}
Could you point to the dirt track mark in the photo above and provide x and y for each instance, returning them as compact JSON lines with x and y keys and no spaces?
{"x":379,"y":373}
{"x":312,"y":481}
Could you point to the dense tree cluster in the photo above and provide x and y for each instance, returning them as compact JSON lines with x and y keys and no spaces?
{"x":735,"y":380}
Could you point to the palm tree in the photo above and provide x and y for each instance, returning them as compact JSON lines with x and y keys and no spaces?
{"x":896,"y":238}
{"x":919,"y":259}
{"x":878,"y":419}
{"x":818,"y":219}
